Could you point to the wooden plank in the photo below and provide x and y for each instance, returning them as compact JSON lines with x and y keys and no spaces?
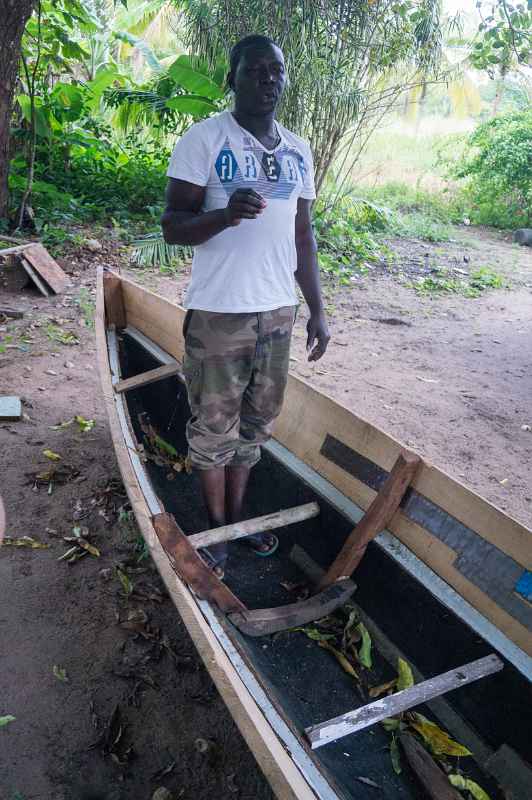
{"x":434,"y":781}
{"x":49,"y":270}
{"x":262,"y":621}
{"x":376,"y":519}
{"x":145,"y":378}
{"x":115,"y":313}
{"x":41,"y":286}
{"x":17,"y":250}
{"x":13,"y":313}
{"x":268,"y":522}
{"x":191,"y":568}
{"x":155,"y":317}
{"x":308,"y":416}
{"x":284,"y":776}
{"x":360,"y":718}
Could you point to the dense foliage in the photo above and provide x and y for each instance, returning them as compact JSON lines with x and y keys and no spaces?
{"x":498,"y":168}
{"x":348,"y":62}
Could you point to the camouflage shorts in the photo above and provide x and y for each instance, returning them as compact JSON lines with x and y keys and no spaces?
{"x":235,"y":366}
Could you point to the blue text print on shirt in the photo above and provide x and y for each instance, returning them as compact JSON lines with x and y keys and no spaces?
{"x":273,"y":175}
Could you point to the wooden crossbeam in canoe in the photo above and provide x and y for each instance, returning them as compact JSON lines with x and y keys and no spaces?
{"x":190,"y":567}
{"x":262,"y":621}
{"x":360,"y":718}
{"x":376,"y":518}
{"x":145,"y":378}
{"x":268,"y":522}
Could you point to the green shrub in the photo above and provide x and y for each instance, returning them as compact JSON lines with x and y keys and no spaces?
{"x":497,"y":166}
{"x":344,"y":236}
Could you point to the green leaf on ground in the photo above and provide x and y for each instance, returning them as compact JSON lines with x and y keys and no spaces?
{"x":364,"y":654}
{"x":396,"y":758}
{"x":438,"y":740}
{"x":85,"y":425}
{"x":6,"y":720}
{"x":127,"y":585}
{"x":391,"y":724}
{"x":341,"y":658}
{"x":60,"y":673}
{"x":466,"y":784}
{"x":51,"y":455}
{"x":376,"y":691}
{"x":405,"y":679}
{"x":25,"y":541}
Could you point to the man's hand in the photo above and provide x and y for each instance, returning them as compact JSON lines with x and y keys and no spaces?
{"x":317,"y":328}
{"x":244,"y":204}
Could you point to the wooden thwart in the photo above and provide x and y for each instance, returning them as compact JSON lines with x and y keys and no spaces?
{"x":263,"y":621}
{"x":375,"y":519}
{"x":434,"y":781}
{"x":190,"y":567}
{"x":268,"y":522}
{"x":145,"y":378}
{"x":367,"y":715}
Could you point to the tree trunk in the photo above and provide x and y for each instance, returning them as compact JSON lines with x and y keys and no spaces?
{"x":13,"y":15}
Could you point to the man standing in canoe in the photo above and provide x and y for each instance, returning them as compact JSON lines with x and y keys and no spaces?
{"x":240,"y":191}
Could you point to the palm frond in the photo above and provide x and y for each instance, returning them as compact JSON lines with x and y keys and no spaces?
{"x":152,"y":251}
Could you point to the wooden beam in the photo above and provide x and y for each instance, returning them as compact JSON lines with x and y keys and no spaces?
{"x":367,"y":715}
{"x":375,"y":519}
{"x":48,"y":269}
{"x":113,"y":301}
{"x":228,"y":533}
{"x":145,"y":378}
{"x":35,"y":277}
{"x":191,"y":568}
{"x":434,"y":781}
{"x":262,"y":621}
{"x":11,"y":251}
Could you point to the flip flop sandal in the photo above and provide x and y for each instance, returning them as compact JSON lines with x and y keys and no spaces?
{"x":254,"y":542}
{"x":215,"y":563}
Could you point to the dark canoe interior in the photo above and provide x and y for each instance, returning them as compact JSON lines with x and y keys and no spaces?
{"x":304,"y":681}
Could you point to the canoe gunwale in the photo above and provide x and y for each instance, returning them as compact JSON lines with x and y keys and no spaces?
{"x":290,"y":771}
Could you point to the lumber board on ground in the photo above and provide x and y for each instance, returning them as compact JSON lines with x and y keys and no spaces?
{"x":10,"y":408}
{"x":191,"y":568}
{"x":145,"y":378}
{"x":434,"y":781}
{"x":352,"y":721}
{"x":268,"y":522}
{"x":284,"y":776}
{"x":35,"y":277}
{"x":376,"y":519}
{"x":9,"y":251}
{"x":48,"y":269}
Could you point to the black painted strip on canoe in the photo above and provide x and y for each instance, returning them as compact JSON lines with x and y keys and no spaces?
{"x":478,"y":560}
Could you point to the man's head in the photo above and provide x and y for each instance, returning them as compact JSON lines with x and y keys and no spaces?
{"x":257,"y":74}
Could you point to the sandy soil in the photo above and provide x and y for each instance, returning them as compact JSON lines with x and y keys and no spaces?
{"x":449,"y":376}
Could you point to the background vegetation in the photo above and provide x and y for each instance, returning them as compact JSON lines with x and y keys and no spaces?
{"x":418,"y":121}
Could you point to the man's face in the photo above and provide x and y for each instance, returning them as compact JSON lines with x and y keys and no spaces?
{"x":259,"y":79}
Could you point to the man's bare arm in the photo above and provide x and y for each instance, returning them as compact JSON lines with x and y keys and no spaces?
{"x":308,"y":277}
{"x":183,"y":221}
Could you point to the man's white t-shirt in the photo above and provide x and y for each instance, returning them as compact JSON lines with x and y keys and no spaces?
{"x":249,"y":267}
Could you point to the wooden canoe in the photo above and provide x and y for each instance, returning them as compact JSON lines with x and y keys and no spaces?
{"x":445,"y":586}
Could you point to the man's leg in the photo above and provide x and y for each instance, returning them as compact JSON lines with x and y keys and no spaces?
{"x":261,"y":405}
{"x":219,"y":351}
{"x":236,"y":481}
{"x":213,"y":485}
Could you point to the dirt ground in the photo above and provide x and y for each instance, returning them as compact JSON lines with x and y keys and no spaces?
{"x":450,"y":376}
